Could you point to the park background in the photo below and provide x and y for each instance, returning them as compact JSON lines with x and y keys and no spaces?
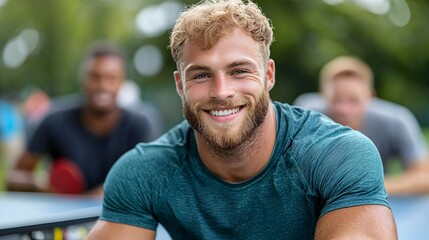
{"x":41,"y":44}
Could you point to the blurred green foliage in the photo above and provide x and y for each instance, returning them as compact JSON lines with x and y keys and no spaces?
{"x":307,"y":33}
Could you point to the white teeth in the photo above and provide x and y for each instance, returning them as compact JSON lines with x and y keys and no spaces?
{"x":224,"y":112}
{"x":103,"y":97}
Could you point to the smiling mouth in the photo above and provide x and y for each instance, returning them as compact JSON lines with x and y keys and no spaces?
{"x":103,"y":97}
{"x":224,"y":112}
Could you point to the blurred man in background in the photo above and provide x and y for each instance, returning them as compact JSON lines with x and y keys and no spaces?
{"x":90,"y":135}
{"x":346,"y":85}
{"x":36,"y":103}
{"x":129,"y":97}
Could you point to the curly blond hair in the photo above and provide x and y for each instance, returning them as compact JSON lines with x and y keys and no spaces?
{"x":210,"y":20}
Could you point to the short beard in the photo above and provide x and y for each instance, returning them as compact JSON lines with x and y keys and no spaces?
{"x":224,"y":144}
{"x":101,"y":112}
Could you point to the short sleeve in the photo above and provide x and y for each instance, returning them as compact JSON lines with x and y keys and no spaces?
{"x":350,"y":173}
{"x":127,"y":193}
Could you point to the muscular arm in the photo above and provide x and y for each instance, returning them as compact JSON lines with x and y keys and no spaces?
{"x":21,"y":177}
{"x":111,"y":231}
{"x":97,"y":191}
{"x":415,"y":180}
{"x":360,"y":222}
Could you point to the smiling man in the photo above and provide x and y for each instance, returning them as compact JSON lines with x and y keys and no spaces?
{"x":92,"y":134}
{"x":346,"y":96}
{"x":242,"y":166}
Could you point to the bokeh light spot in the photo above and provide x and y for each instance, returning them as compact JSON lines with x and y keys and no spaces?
{"x":148,"y":60}
{"x":19,"y":48}
{"x":154,"y":20}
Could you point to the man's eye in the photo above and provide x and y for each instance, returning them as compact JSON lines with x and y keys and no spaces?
{"x":239,"y":71}
{"x":200,"y":76}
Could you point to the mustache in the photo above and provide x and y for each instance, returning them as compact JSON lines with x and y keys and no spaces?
{"x":216,"y":103}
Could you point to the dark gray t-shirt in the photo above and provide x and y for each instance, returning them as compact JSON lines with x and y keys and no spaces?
{"x":62,"y":135}
{"x":391,"y":138}
{"x":317,"y":166}
{"x":393,"y":129}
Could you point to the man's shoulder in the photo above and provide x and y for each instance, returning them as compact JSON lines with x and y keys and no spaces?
{"x":311,"y":100}
{"x":298,"y":121}
{"x":391,"y":110}
{"x":148,"y":121}
{"x":133,"y":116}
{"x":61,"y":116}
{"x":313,"y":134}
{"x":307,"y":135}
{"x":173,"y":142}
{"x":380,"y":122}
{"x":171,"y":146}
{"x":388,"y":107}
{"x":178,"y":135}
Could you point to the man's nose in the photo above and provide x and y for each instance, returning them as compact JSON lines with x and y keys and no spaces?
{"x":222,"y":87}
{"x":344,"y":108}
{"x":105,"y":83}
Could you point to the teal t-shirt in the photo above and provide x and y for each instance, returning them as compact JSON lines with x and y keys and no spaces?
{"x":317,"y":166}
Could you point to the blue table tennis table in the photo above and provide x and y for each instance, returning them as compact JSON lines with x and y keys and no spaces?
{"x":44,"y":216}
{"x":412,"y":216}
{"x":47,"y":216}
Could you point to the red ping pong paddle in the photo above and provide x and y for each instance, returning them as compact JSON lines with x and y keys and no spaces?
{"x":66,"y":177}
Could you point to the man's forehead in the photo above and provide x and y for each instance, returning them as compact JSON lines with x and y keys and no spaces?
{"x":237,"y":37}
{"x":226,"y":64}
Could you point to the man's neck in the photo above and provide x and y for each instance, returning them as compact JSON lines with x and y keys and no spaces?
{"x":100,"y":123}
{"x":246,"y":161}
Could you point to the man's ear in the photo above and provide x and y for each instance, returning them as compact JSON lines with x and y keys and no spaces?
{"x":270,"y":74}
{"x":178,"y":80}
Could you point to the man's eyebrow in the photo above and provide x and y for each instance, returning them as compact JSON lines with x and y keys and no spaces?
{"x":239,"y":63}
{"x":231,"y":65}
{"x":196,"y":68}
